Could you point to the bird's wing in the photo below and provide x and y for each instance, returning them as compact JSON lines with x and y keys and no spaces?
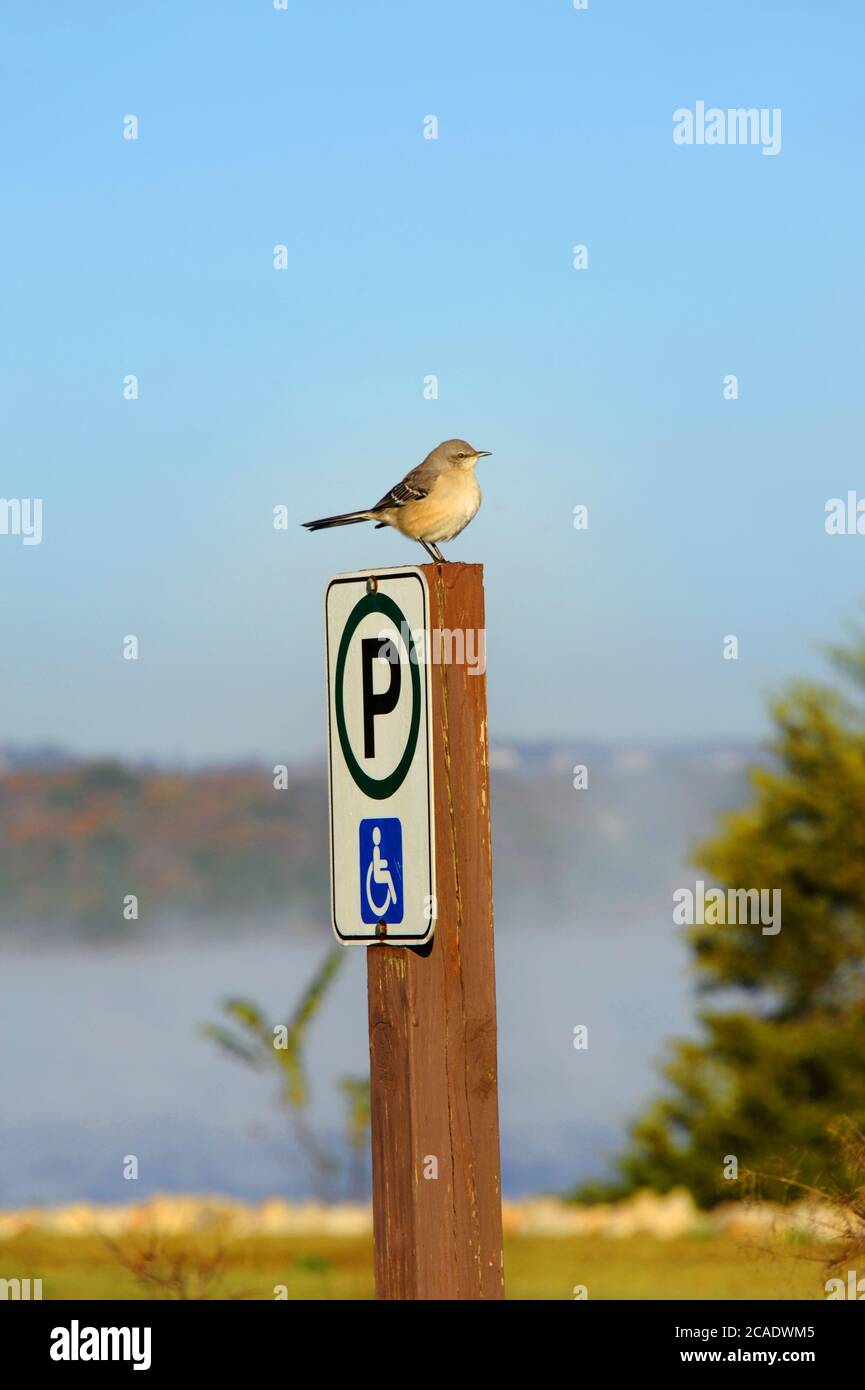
{"x":413,"y":487}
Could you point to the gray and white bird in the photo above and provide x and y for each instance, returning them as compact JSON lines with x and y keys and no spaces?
{"x":434,"y":501}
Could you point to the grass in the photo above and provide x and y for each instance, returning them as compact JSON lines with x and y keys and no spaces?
{"x":332,"y":1268}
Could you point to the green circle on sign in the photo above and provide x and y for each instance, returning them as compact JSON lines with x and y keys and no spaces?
{"x":377,"y":788}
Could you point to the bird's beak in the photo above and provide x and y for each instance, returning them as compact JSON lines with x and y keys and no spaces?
{"x":483,"y":453}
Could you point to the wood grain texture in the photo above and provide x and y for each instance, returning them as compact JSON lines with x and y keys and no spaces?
{"x":432,"y":1017}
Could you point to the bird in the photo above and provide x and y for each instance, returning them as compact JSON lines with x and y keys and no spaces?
{"x":434,"y":502}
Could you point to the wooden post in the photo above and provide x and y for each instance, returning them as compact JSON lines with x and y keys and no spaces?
{"x":432,"y":1014}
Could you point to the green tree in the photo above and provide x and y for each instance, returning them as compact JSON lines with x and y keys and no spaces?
{"x":782,"y":1055}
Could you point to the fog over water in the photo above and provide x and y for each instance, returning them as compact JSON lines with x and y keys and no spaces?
{"x":101,"y":1058}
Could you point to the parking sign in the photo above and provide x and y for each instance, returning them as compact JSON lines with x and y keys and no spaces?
{"x":382,"y":830}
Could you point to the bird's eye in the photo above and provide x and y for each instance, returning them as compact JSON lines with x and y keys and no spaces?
{"x":460,"y":456}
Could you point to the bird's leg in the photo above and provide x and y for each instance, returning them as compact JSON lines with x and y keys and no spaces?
{"x":441,"y":559}
{"x":427,"y":549}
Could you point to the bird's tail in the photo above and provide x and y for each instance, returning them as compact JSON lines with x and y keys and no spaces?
{"x":346,"y":519}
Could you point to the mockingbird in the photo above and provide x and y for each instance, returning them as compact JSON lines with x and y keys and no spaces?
{"x":434,"y":502}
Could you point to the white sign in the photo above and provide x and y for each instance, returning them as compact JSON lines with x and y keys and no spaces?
{"x":382,"y":831}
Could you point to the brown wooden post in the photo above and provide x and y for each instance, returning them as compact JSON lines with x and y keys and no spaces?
{"x":432,"y":1014}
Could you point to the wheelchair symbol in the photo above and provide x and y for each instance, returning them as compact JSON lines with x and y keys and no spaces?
{"x":379,"y":873}
{"x":381,"y":885}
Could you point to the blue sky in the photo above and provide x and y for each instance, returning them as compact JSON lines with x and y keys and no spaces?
{"x":407,"y":257}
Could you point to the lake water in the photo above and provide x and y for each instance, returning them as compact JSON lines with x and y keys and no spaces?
{"x":99,"y":1058}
